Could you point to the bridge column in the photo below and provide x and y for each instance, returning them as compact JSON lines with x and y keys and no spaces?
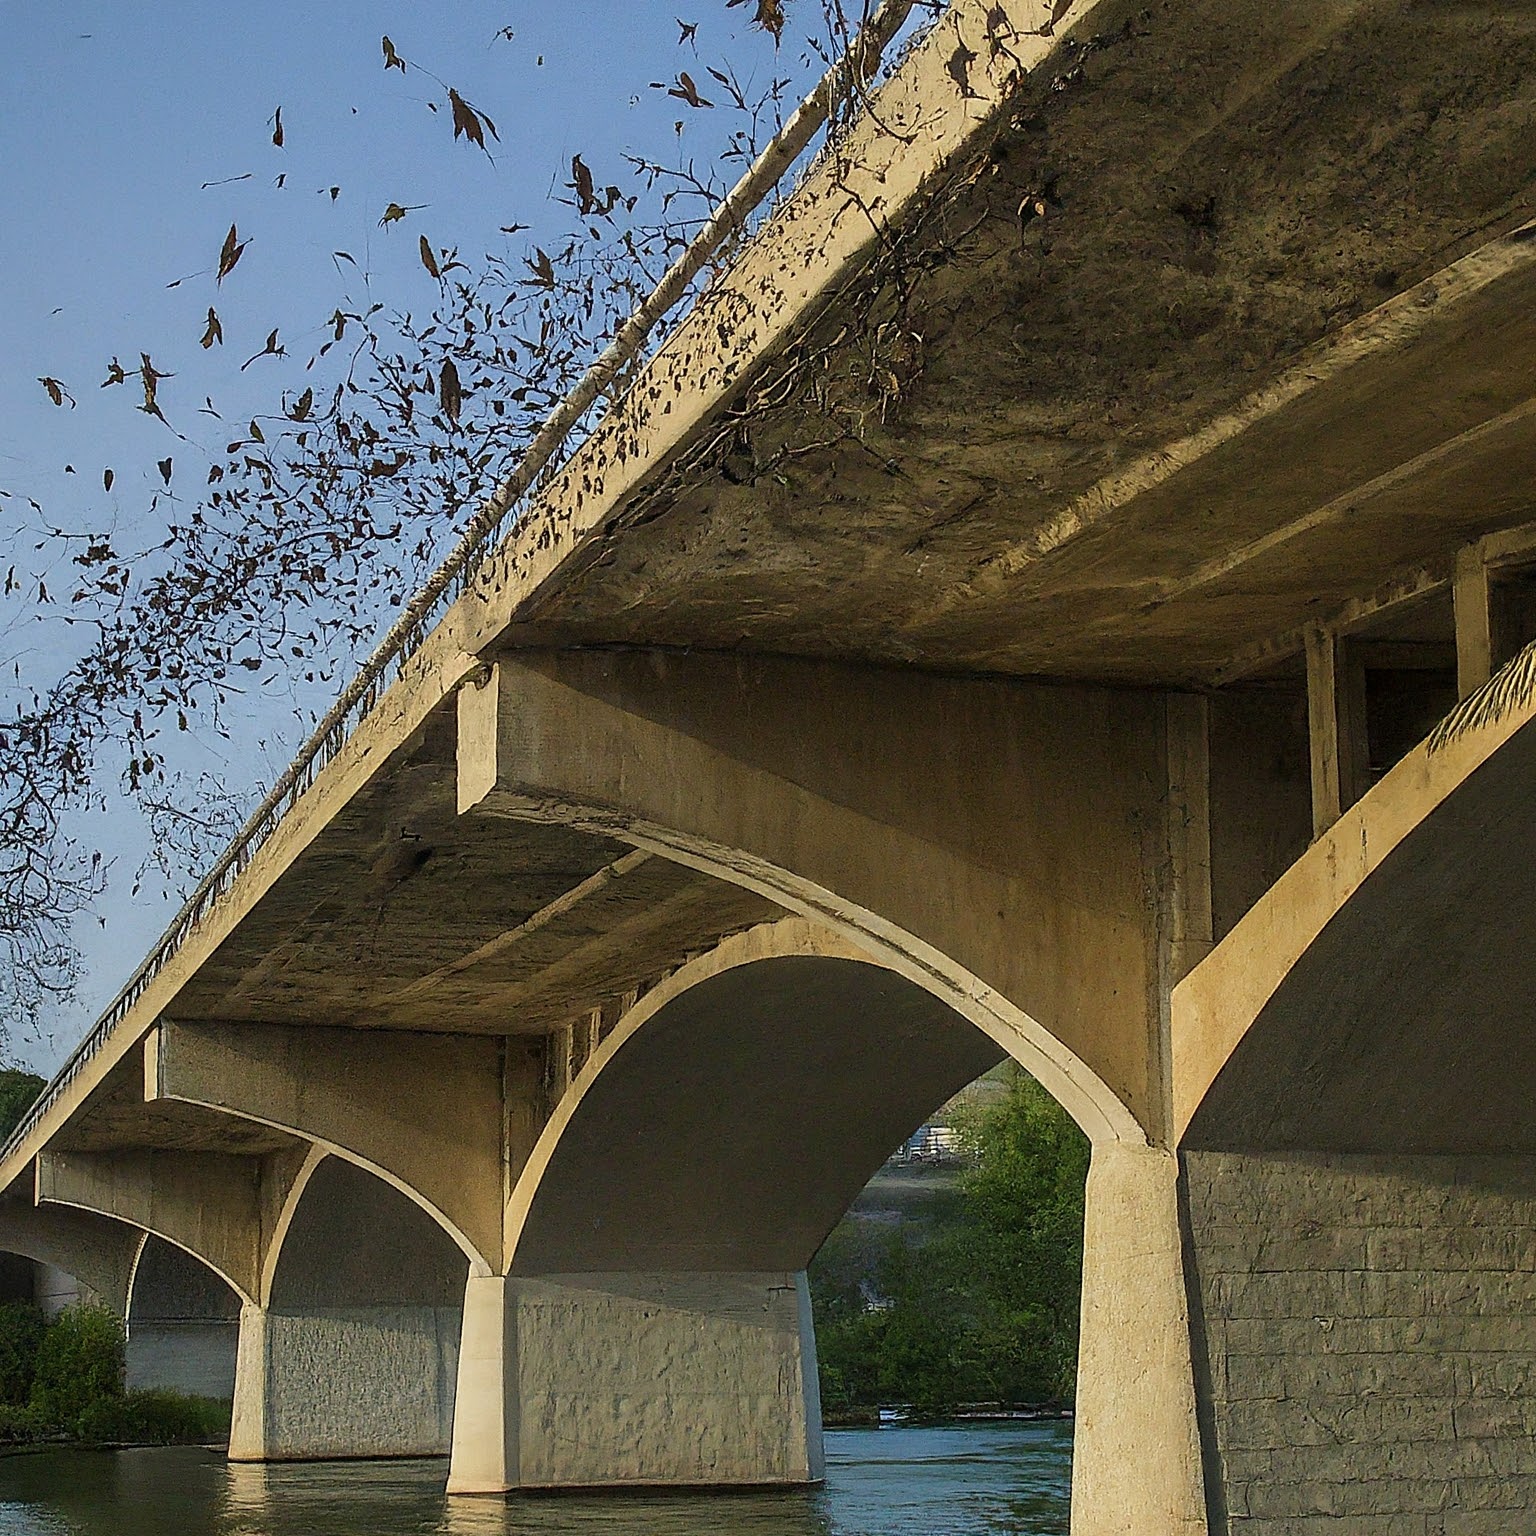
{"x":1136,"y":1464}
{"x":612,"y":1380}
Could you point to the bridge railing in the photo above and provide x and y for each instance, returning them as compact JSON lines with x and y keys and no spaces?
{"x":483,"y":534}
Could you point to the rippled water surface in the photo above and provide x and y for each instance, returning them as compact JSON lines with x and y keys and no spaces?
{"x":992,"y":1480}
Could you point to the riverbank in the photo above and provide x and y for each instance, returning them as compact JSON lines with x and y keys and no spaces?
{"x":62,"y":1382}
{"x":905,"y":1414}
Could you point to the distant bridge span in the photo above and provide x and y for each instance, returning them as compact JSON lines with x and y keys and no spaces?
{"x":1004,"y":618}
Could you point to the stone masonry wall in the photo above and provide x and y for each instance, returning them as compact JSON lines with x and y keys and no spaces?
{"x":1365,"y":1332}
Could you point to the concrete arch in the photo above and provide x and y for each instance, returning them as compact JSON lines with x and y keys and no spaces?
{"x":1385,"y":1042}
{"x":686,"y":1179}
{"x":1101,"y":1114}
{"x":97,"y":1251}
{"x":337,"y":1093}
{"x":591,"y":742}
{"x":163,"y":1267}
{"x":785,"y":995}
{"x":183,"y":1323}
{"x":282,"y":1219}
{"x":206,"y":1204}
{"x":352,"y":1240}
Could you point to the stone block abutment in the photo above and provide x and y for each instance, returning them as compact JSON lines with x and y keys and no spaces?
{"x":1354,"y":1069}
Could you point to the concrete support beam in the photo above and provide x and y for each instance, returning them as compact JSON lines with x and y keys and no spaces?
{"x":1136,"y":1467}
{"x":1474,"y":622}
{"x":996,"y":840}
{"x":607,"y":1380}
{"x":1336,"y":727}
{"x":206,"y":1202}
{"x":423,"y":1111}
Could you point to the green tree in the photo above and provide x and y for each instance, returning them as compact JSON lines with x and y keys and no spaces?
{"x":983,"y":1305}
{"x":1023,"y":1203}
{"x":22,"y":1327}
{"x":17,"y":1091}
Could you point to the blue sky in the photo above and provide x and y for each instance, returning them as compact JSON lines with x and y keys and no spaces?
{"x":115,"y":118}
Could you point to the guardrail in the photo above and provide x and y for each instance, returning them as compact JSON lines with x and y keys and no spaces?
{"x":484,"y":531}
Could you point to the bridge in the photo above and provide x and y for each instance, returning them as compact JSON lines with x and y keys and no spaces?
{"x":1063,"y":595}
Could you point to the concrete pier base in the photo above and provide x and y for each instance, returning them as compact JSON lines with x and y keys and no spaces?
{"x":605,"y":1380}
{"x":344,"y":1382}
{"x":1136,"y":1468}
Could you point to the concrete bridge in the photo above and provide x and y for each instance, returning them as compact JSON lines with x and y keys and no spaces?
{"x":1004,"y":619}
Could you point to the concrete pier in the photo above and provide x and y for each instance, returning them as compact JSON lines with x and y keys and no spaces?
{"x":645,"y":1380}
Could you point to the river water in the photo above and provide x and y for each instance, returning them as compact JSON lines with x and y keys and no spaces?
{"x":974,"y":1480}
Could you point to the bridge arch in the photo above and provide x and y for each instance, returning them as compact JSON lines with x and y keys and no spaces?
{"x":95,"y":1251}
{"x":1353,"y":1071}
{"x":317,"y":1086}
{"x":736,"y":1110}
{"x":183,"y":1323}
{"x":687,"y":1178}
{"x":1329,"y":981}
{"x":353,"y":1350}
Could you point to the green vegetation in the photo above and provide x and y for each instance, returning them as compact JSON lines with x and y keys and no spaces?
{"x":63,"y":1380}
{"x":979,"y":1304}
{"x":17,"y":1091}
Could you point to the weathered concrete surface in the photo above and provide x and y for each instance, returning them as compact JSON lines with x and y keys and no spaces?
{"x":183,"y":1324}
{"x":340,"y":1382}
{"x":638,"y":1379}
{"x":1155,"y":423}
{"x":1369,"y":1350}
{"x":1136,"y":1467}
{"x":194,"y":1357}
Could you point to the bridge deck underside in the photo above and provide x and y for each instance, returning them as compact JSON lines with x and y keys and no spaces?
{"x":404,"y":915}
{"x":964,"y":469}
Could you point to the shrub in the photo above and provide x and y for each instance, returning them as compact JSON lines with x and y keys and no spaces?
{"x":18,"y":1425}
{"x":22,"y":1326}
{"x":154,"y":1418}
{"x":79,"y":1362}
